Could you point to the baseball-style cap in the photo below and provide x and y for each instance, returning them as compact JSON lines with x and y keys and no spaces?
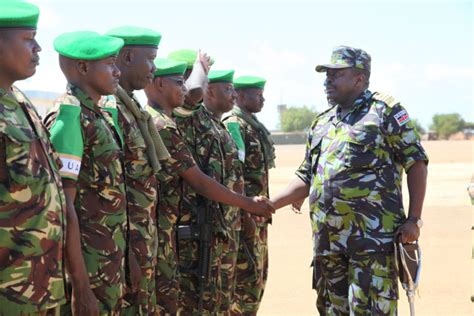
{"x":347,"y":57}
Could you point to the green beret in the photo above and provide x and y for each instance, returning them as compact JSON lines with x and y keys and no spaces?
{"x":247,"y":82}
{"x":18,"y":14}
{"x":166,"y":67}
{"x":186,"y":55}
{"x":87,"y":45}
{"x":220,"y":76}
{"x":133,"y":35}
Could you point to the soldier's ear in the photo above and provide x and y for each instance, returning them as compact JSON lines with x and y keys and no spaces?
{"x":125,"y":56}
{"x":82,"y":67}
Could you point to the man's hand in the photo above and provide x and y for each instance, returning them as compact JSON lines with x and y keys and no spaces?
{"x":409,"y":232}
{"x":260,"y":206}
{"x":205,"y":61}
{"x":83,"y":301}
{"x":135,"y":271}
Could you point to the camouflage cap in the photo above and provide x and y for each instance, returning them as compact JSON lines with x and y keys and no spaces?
{"x":347,"y":57}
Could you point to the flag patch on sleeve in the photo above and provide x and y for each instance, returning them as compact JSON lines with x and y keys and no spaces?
{"x":402,"y":117}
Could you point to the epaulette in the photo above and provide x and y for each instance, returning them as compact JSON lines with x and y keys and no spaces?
{"x":182,"y":112}
{"x":385,"y":98}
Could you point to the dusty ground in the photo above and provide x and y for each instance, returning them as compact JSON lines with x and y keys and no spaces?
{"x":446,"y":241}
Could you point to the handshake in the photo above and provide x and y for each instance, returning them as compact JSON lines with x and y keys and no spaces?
{"x":260,"y":206}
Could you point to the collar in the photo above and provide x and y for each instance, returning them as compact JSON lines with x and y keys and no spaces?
{"x":82,"y":97}
{"x":358,"y":104}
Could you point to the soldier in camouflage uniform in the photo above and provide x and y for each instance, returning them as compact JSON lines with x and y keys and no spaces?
{"x":352,"y":171}
{"x":89,"y":147}
{"x":38,"y":227}
{"x":258,"y":155}
{"x":165,"y":94}
{"x":135,"y":62}
{"x":214,"y":151}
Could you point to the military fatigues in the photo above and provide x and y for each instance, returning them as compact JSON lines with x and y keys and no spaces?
{"x":89,"y":148}
{"x":170,"y":196}
{"x":215,"y":153}
{"x":353,"y":166}
{"x":32,"y":212}
{"x":141,"y":186}
{"x":252,"y":265}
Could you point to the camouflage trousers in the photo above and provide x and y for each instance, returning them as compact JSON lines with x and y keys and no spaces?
{"x":167,"y":274}
{"x":364,"y":284}
{"x":251,"y":270}
{"x":143,"y":302}
{"x":219,"y":292}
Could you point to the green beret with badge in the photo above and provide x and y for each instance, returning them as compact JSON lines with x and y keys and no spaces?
{"x":136,"y":36}
{"x":168,"y":67}
{"x":249,"y":82}
{"x":87,"y":45}
{"x":347,"y":57}
{"x":18,"y":14}
{"x":221,"y":76}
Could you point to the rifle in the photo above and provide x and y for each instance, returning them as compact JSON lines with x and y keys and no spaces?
{"x":202,"y":232}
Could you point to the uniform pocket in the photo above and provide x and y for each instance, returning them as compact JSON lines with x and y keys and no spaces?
{"x":22,"y":158}
{"x":360,"y":148}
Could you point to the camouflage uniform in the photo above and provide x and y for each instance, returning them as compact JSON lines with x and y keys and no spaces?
{"x":100,"y":199}
{"x":354,"y":169}
{"x":32,"y":208}
{"x":214,"y":151}
{"x":170,"y":196}
{"x":141,"y":186}
{"x":252,"y":265}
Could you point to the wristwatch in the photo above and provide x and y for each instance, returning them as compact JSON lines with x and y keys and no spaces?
{"x":415,"y":220}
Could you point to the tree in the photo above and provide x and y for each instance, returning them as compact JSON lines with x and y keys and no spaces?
{"x":297,"y":119}
{"x":418,"y":126}
{"x":447,"y":124}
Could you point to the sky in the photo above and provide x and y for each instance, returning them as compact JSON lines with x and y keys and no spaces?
{"x":422,"y":51}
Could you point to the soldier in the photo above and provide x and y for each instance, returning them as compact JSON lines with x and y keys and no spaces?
{"x":89,"y":147}
{"x":38,"y":227}
{"x":214,"y":152}
{"x":142,"y":152}
{"x":355,"y":154}
{"x":166,"y":93}
{"x":258,"y":155}
{"x":195,"y":76}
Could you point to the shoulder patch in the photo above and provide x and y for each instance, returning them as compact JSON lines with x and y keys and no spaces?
{"x":385,"y":98}
{"x":182,"y":112}
{"x":66,"y":136}
{"x":68,"y":100}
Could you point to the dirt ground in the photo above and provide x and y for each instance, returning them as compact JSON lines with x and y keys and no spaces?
{"x":447,"y":268}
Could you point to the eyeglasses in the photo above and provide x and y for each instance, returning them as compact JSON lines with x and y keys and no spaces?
{"x":178,"y":81}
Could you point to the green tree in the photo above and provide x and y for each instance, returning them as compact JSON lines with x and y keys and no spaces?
{"x":297,"y":119}
{"x":447,"y":124}
{"x":418,"y":126}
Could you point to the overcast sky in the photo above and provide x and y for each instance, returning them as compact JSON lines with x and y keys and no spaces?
{"x":422,"y":51}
